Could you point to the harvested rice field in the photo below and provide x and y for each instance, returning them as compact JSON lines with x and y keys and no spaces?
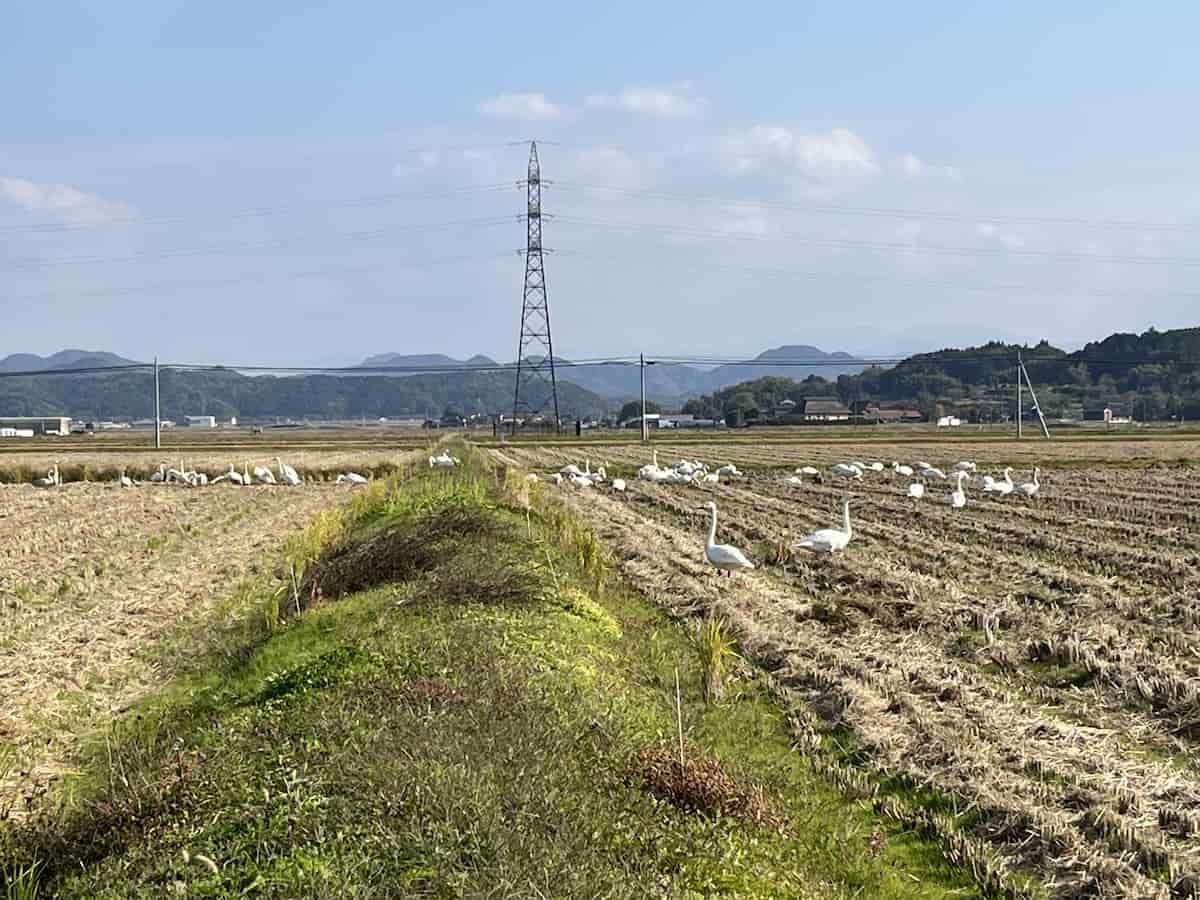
{"x":1032,"y":663}
{"x":93,"y":579}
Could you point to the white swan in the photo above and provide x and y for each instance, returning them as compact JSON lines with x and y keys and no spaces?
{"x":728,"y":469}
{"x":246,"y":474}
{"x":355,"y":478}
{"x":829,"y":540}
{"x":263,"y":475}
{"x":725,"y":557}
{"x":161,"y":475}
{"x":905,"y":471}
{"x":1030,"y":488}
{"x":848,"y":470}
{"x":52,"y":479}
{"x":931,"y":472}
{"x":958,"y":497}
{"x":1003,"y":488}
{"x":618,"y":484}
{"x":876,"y":467}
{"x":964,"y":466}
{"x":125,"y":481}
{"x":568,"y":471}
{"x":807,"y":470}
{"x":235,"y":476}
{"x":286,"y":473}
{"x":445,"y":461}
{"x":794,"y":479}
{"x":647,"y":471}
{"x":916,"y":490}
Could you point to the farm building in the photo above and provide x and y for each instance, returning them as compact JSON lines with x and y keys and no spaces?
{"x":199,"y":421}
{"x":1111,"y":414}
{"x":822,"y":410}
{"x":868,"y":412}
{"x":37,"y":424}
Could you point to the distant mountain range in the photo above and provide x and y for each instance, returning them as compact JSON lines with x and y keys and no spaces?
{"x":665,"y":382}
{"x":63,"y":359}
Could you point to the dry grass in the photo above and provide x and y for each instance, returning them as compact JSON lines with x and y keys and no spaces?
{"x":1037,"y":661}
{"x":699,"y":783}
{"x":92,"y":577}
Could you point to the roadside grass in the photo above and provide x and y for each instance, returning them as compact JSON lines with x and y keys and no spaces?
{"x":499,"y":721}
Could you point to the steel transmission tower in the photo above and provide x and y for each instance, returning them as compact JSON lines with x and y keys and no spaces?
{"x":535,"y":351}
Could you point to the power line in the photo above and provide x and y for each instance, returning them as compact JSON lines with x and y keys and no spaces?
{"x":211,"y":284}
{"x":630,"y":362}
{"x":217,"y":249}
{"x":887,"y":246}
{"x":257,"y":212}
{"x":772,"y":271}
{"x":884,"y":212}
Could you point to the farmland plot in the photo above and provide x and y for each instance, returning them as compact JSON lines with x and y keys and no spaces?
{"x":92,"y":576}
{"x":1039,"y":660}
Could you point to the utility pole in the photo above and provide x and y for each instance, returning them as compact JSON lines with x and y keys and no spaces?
{"x":1019,"y":416}
{"x":642,"y":371}
{"x":157,"y":410}
{"x":1037,"y":407}
{"x":535,"y":310}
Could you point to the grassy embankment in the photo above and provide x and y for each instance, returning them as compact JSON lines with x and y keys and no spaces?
{"x":486,"y":712}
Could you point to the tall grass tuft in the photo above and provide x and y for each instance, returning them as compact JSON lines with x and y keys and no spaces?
{"x":21,"y":883}
{"x":714,"y":648}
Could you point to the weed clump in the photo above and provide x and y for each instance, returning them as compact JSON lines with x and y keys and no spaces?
{"x":400,"y":552}
{"x":698,"y":783}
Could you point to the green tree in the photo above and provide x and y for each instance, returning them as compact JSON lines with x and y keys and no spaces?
{"x":633,"y":409}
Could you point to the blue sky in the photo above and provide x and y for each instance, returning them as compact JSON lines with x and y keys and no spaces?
{"x":249,"y":182}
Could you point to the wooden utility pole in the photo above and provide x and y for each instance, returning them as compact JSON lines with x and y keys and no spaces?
{"x":157,"y":410}
{"x":1019,"y":416}
{"x":642,"y":372}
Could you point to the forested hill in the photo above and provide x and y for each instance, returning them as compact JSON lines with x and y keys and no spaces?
{"x":228,"y":393}
{"x":1157,"y":371}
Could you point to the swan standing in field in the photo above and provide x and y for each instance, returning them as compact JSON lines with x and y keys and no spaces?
{"x":931,"y":472}
{"x":876,"y":467}
{"x":829,"y":540}
{"x":903,"y":471}
{"x":808,"y":470}
{"x":916,"y":490}
{"x":161,"y":475}
{"x":794,"y":479}
{"x":1003,"y":488}
{"x":355,"y":478}
{"x":958,"y":497}
{"x":725,"y":557}
{"x":567,"y":471}
{"x":964,"y":466}
{"x":848,"y":470}
{"x":647,"y":471}
{"x":263,"y":475}
{"x":1030,"y":488}
{"x":618,"y":484}
{"x":52,"y":479}
{"x":286,"y":473}
{"x":443,"y":461}
{"x":125,"y":481}
{"x":728,"y":469}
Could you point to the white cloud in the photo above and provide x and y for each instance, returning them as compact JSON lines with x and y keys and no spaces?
{"x":669,"y":102}
{"x":913,"y":167}
{"x":532,"y":107}
{"x":66,"y":203}
{"x":421,"y":161}
{"x":839,"y":152}
{"x":609,"y":165}
{"x":1010,"y":239}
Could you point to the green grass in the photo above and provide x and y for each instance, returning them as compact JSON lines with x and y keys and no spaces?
{"x":411,"y":740}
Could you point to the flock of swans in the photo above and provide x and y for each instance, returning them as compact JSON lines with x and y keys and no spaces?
{"x":190,"y":477}
{"x":729,"y":559}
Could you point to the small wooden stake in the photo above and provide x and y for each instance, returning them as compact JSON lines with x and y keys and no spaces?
{"x":679,"y":719}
